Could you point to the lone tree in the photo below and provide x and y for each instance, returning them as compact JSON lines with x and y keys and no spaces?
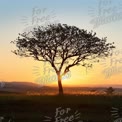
{"x":62,"y":46}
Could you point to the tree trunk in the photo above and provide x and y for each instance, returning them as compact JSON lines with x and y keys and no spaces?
{"x":60,"y":85}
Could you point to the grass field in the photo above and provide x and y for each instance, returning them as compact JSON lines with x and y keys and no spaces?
{"x":24,"y":108}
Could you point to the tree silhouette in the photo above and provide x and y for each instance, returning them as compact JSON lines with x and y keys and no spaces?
{"x":62,"y":46}
{"x":109,"y":91}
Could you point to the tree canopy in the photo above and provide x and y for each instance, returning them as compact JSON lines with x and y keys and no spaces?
{"x":61,"y":45}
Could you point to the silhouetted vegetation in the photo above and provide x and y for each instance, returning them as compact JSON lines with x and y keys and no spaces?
{"x":34,"y":108}
{"x":63,"y":47}
{"x":109,"y":91}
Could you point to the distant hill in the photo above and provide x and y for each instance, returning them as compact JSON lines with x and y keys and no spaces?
{"x":18,"y":87}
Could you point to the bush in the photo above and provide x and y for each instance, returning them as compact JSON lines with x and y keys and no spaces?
{"x":109,"y":91}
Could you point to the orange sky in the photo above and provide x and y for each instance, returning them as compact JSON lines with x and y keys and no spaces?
{"x":27,"y":69}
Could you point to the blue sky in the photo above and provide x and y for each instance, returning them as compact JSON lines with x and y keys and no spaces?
{"x":69,"y":12}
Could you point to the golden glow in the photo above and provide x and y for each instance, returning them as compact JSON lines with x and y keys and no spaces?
{"x":14,"y":68}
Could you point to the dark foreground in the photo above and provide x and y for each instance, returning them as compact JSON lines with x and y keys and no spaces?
{"x":68,"y":108}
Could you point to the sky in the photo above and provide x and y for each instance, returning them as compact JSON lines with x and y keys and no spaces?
{"x":102,"y":16}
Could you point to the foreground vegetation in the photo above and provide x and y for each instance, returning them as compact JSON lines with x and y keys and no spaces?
{"x":93,"y":108}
